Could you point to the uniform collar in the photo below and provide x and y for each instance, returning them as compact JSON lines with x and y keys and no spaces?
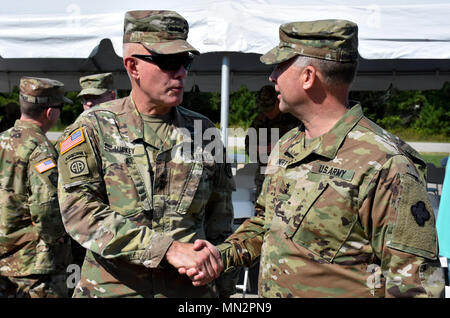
{"x":136,"y":126}
{"x":28,"y":125}
{"x":329,"y":143}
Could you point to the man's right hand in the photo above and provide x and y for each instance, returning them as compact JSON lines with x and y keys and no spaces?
{"x":202,"y":262}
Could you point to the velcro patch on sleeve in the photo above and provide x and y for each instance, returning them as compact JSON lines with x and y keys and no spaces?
{"x":78,"y":167}
{"x":414,"y":229}
{"x":45,"y":165}
{"x":75,"y":138}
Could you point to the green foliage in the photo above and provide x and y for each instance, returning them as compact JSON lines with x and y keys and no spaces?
{"x":6,"y":98}
{"x":243,"y":108}
{"x":207,"y":104}
{"x":413,"y":115}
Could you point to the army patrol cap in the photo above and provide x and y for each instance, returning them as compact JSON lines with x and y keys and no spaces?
{"x":161,"y":32}
{"x":42,"y":91}
{"x":334,"y":40}
{"x":266,"y":98}
{"x":96,"y":84}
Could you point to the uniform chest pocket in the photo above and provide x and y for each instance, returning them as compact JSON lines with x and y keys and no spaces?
{"x":322,"y":219}
{"x":123,"y":184}
{"x":184,"y":180}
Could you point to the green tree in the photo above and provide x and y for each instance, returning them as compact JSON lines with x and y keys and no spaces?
{"x":243,"y":107}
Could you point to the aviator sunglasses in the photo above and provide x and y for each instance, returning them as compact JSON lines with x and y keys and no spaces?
{"x":168,"y":62}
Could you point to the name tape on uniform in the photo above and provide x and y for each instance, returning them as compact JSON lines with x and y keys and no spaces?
{"x":333,"y":171}
{"x":45,"y":165}
{"x":75,"y":138}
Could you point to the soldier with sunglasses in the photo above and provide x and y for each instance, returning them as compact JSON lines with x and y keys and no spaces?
{"x":34,"y":248}
{"x":128,"y":195}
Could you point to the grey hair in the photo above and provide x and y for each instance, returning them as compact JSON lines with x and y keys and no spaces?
{"x":334,"y":73}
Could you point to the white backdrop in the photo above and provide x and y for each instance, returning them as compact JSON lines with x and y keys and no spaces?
{"x":388,"y":29}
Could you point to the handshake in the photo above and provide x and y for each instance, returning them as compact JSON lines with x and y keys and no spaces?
{"x":200,"y":261}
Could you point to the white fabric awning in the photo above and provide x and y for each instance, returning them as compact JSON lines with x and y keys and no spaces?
{"x":72,"y":29}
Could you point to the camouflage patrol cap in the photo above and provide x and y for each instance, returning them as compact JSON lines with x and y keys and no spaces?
{"x":334,"y":40}
{"x":42,"y":91}
{"x":162,"y":32}
{"x":96,"y":84}
{"x":266,"y":98}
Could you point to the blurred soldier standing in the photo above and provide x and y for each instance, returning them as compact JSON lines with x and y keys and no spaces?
{"x":269,"y":117}
{"x":126,"y":196}
{"x":344,"y":210}
{"x":34,"y":248}
{"x":97,"y":89}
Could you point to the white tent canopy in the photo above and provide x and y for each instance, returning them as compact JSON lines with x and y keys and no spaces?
{"x":66,"y":29}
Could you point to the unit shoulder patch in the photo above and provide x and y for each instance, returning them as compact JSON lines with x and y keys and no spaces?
{"x":45,"y":165}
{"x":74,"y":139}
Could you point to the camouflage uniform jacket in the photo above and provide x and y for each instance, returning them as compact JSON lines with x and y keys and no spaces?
{"x":125,"y":201}
{"x":346,"y":216}
{"x":32,"y":237}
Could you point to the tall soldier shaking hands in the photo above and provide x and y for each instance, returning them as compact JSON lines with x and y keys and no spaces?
{"x":126,"y":195}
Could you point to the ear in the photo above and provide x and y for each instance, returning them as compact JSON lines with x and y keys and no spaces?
{"x":130,"y":64}
{"x":113,"y":94}
{"x":309,"y":74}
{"x":48,"y":113}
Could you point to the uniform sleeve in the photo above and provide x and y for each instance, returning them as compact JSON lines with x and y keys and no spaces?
{"x":87,"y":216}
{"x":43,"y":200}
{"x":403,"y":232}
{"x":243,"y":247}
{"x":219,"y":220}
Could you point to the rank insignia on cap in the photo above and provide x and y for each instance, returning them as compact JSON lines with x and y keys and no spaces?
{"x":76,"y":138}
{"x":45,"y":165}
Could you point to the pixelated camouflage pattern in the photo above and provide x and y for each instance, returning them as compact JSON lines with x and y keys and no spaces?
{"x":334,"y":40}
{"x":126,"y":215}
{"x":335,"y":218}
{"x":44,"y":91}
{"x":162,"y":32}
{"x":283,"y":122}
{"x":34,"y":286}
{"x":96,"y":84}
{"x":32,"y":236}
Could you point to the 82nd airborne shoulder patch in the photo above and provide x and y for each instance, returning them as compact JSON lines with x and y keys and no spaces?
{"x":75,"y":138}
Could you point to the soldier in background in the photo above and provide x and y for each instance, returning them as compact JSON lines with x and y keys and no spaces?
{"x":133,"y":202}
{"x":268,"y":118}
{"x":344,"y":210}
{"x":12,"y":113}
{"x":34,"y":248}
{"x":97,"y":89}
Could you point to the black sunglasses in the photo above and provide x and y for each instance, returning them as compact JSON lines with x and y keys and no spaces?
{"x":169,"y":62}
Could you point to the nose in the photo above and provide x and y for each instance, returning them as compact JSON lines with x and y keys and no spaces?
{"x":88,"y":104}
{"x":181,"y":73}
{"x":273,"y":76}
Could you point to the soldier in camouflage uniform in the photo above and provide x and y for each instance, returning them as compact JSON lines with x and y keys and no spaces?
{"x":34,"y":248}
{"x":130,"y":191}
{"x":268,"y":118}
{"x":97,"y":89}
{"x":344,"y":210}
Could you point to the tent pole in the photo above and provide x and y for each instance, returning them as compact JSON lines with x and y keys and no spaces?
{"x":224,"y":99}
